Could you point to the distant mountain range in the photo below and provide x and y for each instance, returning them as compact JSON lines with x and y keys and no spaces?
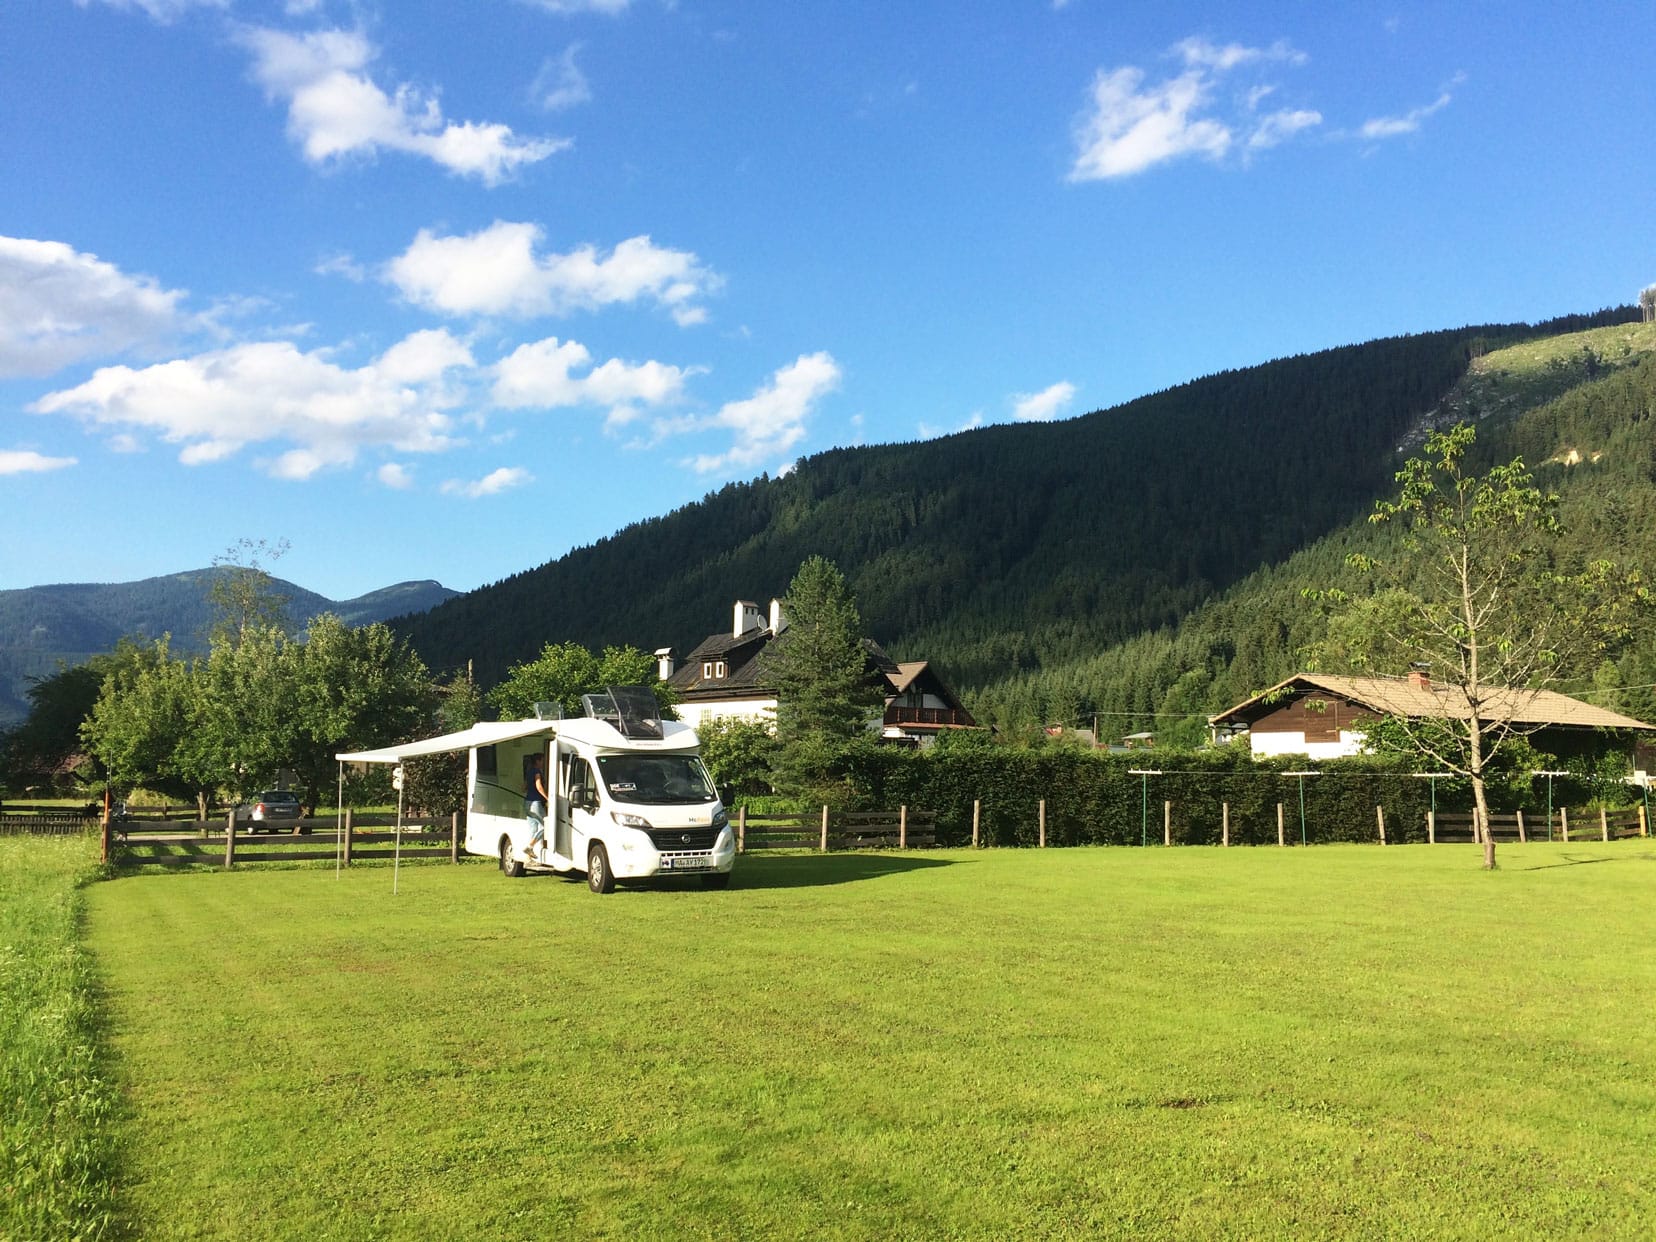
{"x":43,"y":626}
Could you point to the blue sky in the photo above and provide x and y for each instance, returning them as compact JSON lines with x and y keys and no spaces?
{"x":441,"y":290}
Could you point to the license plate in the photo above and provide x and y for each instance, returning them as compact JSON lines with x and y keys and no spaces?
{"x":686,"y":864}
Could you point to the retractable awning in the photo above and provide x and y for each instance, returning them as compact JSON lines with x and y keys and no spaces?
{"x":478,"y":735}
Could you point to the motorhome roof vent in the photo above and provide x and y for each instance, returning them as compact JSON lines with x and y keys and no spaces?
{"x":548,"y":711}
{"x":633,"y":710}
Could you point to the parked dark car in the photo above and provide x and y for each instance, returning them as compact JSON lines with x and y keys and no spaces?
{"x":272,"y":810}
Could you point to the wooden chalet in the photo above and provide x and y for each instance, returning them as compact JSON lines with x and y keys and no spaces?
{"x":1321,"y":716}
{"x":725,"y":676}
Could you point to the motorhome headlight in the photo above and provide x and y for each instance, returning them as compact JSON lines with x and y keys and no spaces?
{"x":630,"y":821}
{"x":720,"y":818}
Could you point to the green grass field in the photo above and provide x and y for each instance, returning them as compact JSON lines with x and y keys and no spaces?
{"x":1334,"y":1042}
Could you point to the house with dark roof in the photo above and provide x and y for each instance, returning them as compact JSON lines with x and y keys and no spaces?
{"x":1322,"y":716}
{"x":725,"y":676}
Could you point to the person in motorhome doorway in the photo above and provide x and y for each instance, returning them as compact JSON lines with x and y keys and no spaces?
{"x":534,"y":803}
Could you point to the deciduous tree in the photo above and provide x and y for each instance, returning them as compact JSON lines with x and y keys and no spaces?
{"x":563,"y":672}
{"x":1479,"y":592}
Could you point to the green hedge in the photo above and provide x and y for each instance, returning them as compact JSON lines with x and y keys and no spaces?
{"x":1093,"y":799}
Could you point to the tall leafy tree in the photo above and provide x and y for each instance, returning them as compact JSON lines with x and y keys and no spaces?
{"x":819,"y":666}
{"x":563,"y":672}
{"x":49,"y":738}
{"x":1479,"y":590}
{"x":739,"y":753}
{"x":147,"y":728}
{"x":351,"y":689}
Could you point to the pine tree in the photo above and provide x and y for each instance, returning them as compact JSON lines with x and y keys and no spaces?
{"x":819,"y":667}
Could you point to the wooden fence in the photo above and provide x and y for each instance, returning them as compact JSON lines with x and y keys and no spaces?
{"x":1599,"y":825}
{"x":836,"y":830}
{"x":188,"y":843}
{"x":19,"y":819}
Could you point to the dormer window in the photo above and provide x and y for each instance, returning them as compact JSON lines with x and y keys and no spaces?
{"x":712,"y":670}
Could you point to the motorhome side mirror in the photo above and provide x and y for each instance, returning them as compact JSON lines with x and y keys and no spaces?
{"x":581,"y":796}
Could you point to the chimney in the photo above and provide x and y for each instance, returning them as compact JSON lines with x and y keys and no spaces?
{"x":664,"y":662}
{"x":744,"y":618}
{"x":777,"y":620}
{"x":1419,"y":676}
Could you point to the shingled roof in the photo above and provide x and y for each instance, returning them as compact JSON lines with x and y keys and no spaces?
{"x":1419,"y":699}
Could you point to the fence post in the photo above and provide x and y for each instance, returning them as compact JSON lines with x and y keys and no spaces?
{"x":1644,"y":824}
{"x":454,"y":838}
{"x":1167,"y":822}
{"x":977,"y":811}
{"x":348,"y":833}
{"x":1523,"y":832}
{"x":902,"y":827}
{"x":1564,"y":820}
{"x":1431,"y":827}
{"x":741,"y":829}
{"x":1282,"y":837}
{"x":105,"y":832}
{"x":1604,"y":824}
{"x":229,"y":839}
{"x":1224,"y":824}
{"x":824,"y":827}
{"x":1380,"y":818}
{"x":1043,"y":823}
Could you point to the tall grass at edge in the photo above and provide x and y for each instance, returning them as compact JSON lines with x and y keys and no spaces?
{"x":56,"y":1170}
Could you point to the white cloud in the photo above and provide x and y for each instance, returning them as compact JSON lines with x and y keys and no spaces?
{"x":491,"y":484}
{"x":59,"y":305}
{"x":162,"y":10}
{"x":342,"y":264}
{"x":541,"y":375}
{"x":395,"y":475}
{"x":1199,"y":53}
{"x":497,"y":271}
{"x":560,"y":83}
{"x":769,"y":423}
{"x":1131,"y":126}
{"x":26,"y":461}
{"x":1043,"y":406}
{"x":1130,"y":130}
{"x":422,"y":358}
{"x":216,"y":404}
{"x":336,"y":110}
{"x":1282,"y":125}
{"x":568,"y":7}
{"x":1408,"y":123}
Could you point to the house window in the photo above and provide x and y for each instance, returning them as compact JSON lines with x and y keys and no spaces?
{"x":712,"y":669}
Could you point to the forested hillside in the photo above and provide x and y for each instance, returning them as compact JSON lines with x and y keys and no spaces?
{"x":1581,"y":411}
{"x":1017,"y":556}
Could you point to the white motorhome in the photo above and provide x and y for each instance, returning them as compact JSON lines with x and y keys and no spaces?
{"x":629,"y":797}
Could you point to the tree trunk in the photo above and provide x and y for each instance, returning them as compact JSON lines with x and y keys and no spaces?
{"x":1480,"y":822}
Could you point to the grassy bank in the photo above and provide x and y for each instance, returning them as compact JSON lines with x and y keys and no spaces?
{"x":1336,"y":1042}
{"x":55,"y":1172}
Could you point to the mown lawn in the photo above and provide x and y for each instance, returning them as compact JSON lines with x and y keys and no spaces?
{"x":1333,"y":1042}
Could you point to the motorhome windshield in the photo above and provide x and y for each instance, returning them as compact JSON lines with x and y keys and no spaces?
{"x":656,"y":780}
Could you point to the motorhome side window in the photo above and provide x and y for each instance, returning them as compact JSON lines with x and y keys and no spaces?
{"x":486,"y":761}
